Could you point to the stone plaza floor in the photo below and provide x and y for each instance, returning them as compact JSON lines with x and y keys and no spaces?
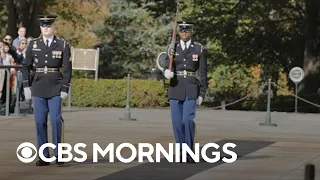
{"x":264,"y":152}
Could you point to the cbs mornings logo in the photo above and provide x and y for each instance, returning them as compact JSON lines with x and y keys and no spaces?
{"x":175,"y":150}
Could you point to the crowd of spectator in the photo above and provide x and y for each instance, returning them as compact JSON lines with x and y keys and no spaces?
{"x":12,"y":53}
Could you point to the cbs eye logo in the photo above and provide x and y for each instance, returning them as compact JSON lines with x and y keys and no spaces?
{"x":26,"y":152}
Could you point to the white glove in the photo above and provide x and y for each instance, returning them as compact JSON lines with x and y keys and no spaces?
{"x":168,"y":74}
{"x":27,"y":93}
{"x":63,"y":95}
{"x":199,"y":100}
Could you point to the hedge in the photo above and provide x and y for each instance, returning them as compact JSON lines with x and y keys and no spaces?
{"x":146,"y":93}
{"x":113,"y":93}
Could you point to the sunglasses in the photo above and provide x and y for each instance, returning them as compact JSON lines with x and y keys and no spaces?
{"x":46,"y":25}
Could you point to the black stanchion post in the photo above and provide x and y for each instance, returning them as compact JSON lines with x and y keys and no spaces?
{"x":309,"y":172}
{"x":17,"y":111}
{"x":69,"y":99}
{"x":7,"y":69}
{"x":17,"y":106}
{"x":8,"y":92}
{"x":30,"y":108}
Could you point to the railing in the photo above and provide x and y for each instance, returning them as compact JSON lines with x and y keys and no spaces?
{"x":17,"y":109}
{"x":222,"y":106}
{"x":7,"y":69}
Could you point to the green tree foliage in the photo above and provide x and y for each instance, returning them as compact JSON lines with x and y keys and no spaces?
{"x":77,"y":20}
{"x":309,"y":87}
{"x":251,"y":32}
{"x":158,"y":8}
{"x":274,"y":34}
{"x":3,"y":18}
{"x":230,"y":82}
{"x":131,"y":40}
{"x":22,"y":13}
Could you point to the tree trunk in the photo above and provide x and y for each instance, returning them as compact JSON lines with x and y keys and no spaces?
{"x":308,"y":88}
{"x":12,"y":19}
{"x":34,"y":22}
{"x":25,"y":19}
{"x":3,"y":22}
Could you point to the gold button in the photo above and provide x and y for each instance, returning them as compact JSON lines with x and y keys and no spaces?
{"x":46,"y":55}
{"x":45,"y":61}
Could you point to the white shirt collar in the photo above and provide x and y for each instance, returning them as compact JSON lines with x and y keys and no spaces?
{"x":182,"y":43}
{"x":45,"y":39}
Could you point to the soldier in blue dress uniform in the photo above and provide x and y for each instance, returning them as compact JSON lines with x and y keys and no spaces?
{"x":186,"y":90}
{"x":46,"y":82}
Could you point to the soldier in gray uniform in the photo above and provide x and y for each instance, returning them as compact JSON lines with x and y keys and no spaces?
{"x":185,"y":90}
{"x":48,"y":84}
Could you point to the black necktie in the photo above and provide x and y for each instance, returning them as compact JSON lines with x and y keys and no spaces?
{"x":185,"y":46}
{"x":47,"y":42}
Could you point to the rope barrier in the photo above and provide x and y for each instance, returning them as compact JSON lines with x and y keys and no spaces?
{"x":260,"y":92}
{"x":241,"y":99}
{"x":295,"y":95}
{"x":234,"y":102}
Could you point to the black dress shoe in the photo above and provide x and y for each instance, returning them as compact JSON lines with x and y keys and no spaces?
{"x":190,"y":160}
{"x":42,"y":163}
{"x":59,"y":163}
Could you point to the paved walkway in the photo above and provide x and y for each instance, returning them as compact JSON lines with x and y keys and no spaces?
{"x":265,"y":153}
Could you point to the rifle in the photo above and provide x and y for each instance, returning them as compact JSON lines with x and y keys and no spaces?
{"x":173,"y":39}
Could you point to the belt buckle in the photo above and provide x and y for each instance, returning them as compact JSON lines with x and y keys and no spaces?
{"x":184,"y":73}
{"x":45,"y":70}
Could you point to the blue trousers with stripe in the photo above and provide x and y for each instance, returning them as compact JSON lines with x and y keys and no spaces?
{"x":43,"y":107}
{"x":183,"y":114}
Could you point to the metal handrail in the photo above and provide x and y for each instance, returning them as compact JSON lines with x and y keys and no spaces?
{"x":7,"y":69}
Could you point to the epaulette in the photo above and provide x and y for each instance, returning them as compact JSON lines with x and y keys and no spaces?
{"x":33,"y":42}
{"x":198,"y":43}
{"x":35,"y":39}
{"x":201,"y":46}
{"x":60,"y":38}
{"x":63,"y":40}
